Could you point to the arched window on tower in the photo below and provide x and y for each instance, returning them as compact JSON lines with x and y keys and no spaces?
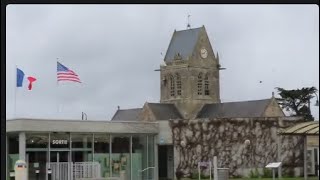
{"x":178,"y":81}
{"x":200,"y":84}
{"x":206,"y":85}
{"x":172,"y":86}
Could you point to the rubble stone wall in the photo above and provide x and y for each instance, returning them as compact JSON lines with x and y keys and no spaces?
{"x":200,"y":140}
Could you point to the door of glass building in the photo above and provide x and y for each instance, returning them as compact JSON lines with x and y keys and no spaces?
{"x":36,"y":164}
{"x":60,"y":165}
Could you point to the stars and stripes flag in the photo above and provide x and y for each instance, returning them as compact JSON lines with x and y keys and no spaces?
{"x":65,"y":74}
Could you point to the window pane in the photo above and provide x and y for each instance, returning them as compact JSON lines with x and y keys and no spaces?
{"x":13,"y":151}
{"x":121,"y":157}
{"x":37,"y":140}
{"x":59,"y":140}
{"x":83,"y":141}
{"x":81,"y":147}
{"x":37,"y":161}
{"x":139,"y":157}
{"x":151,"y":156}
{"x":101,"y":153}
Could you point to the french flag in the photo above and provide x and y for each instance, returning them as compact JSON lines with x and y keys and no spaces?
{"x":21,"y":78}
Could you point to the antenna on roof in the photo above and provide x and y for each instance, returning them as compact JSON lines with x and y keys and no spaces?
{"x":188,"y":25}
{"x":84,"y":116}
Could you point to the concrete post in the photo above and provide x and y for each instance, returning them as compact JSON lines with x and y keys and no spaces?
{"x":279,"y":155}
{"x":318,"y":161}
{"x":110,"y":152}
{"x":130,"y":150}
{"x":22,"y":146}
{"x":215,"y":168}
{"x":305,"y":158}
{"x":7,"y":147}
{"x":156,"y":173}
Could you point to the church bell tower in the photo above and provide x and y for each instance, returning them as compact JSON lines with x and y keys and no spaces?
{"x":190,"y":73}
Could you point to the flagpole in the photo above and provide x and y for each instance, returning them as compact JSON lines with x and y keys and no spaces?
{"x":15,"y":93}
{"x":57,"y":85}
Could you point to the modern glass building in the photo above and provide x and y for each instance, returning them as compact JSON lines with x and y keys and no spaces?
{"x":74,"y":149}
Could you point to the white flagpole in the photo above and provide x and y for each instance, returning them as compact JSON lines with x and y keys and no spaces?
{"x":15,"y":92}
{"x":57,"y":85}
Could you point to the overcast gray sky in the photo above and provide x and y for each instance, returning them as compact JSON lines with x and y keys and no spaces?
{"x":115,"y":49}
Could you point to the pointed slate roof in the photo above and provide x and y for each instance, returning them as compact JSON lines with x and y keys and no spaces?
{"x":165,"y":111}
{"x":254,"y":108}
{"x":182,"y":42}
{"x":127,"y":115}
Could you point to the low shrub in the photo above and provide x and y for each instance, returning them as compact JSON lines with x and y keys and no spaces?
{"x":254,"y":173}
{"x":267,"y":173}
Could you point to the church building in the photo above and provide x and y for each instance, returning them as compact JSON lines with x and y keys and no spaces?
{"x":190,"y":85}
{"x":195,"y":125}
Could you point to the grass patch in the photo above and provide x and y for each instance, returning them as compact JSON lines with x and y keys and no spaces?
{"x":296,"y":178}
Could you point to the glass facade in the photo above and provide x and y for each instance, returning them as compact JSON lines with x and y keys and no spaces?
{"x":37,"y":154}
{"x":139,"y":157}
{"x":102,"y":153}
{"x":81,"y":148}
{"x":118,"y":155}
{"x":13,"y":152}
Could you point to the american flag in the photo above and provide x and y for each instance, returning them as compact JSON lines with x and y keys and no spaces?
{"x":65,"y":74}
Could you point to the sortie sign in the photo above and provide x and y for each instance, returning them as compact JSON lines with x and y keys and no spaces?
{"x":59,"y":141}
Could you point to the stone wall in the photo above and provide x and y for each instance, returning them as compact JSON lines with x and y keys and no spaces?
{"x":201,"y":139}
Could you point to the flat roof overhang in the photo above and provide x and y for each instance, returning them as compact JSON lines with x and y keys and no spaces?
{"x":81,"y":126}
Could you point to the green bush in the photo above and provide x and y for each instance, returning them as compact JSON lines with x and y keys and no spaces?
{"x":194,"y":175}
{"x":254,"y":173}
{"x":267,"y":173}
{"x":204,"y":176}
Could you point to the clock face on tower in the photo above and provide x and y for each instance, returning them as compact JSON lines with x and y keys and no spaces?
{"x":203,"y":53}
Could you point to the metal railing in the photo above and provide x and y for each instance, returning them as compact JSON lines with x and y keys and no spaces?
{"x":223,"y":173}
{"x":147,"y":176}
{"x":75,"y":171}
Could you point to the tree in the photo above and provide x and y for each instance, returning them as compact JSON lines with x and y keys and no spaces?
{"x":298,"y":101}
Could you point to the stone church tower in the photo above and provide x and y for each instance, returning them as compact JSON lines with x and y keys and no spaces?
{"x":190,"y":73}
{"x":190,"y":89}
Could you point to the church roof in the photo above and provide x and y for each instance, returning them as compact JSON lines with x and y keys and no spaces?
{"x":164,"y":111}
{"x":182,"y":42}
{"x":254,"y":108}
{"x":161,"y":111}
{"x":127,"y":114}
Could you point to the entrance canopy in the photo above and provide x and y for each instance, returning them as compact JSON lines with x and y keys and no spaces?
{"x":305,"y":128}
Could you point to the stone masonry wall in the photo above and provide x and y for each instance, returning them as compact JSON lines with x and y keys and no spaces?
{"x":201,"y":139}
